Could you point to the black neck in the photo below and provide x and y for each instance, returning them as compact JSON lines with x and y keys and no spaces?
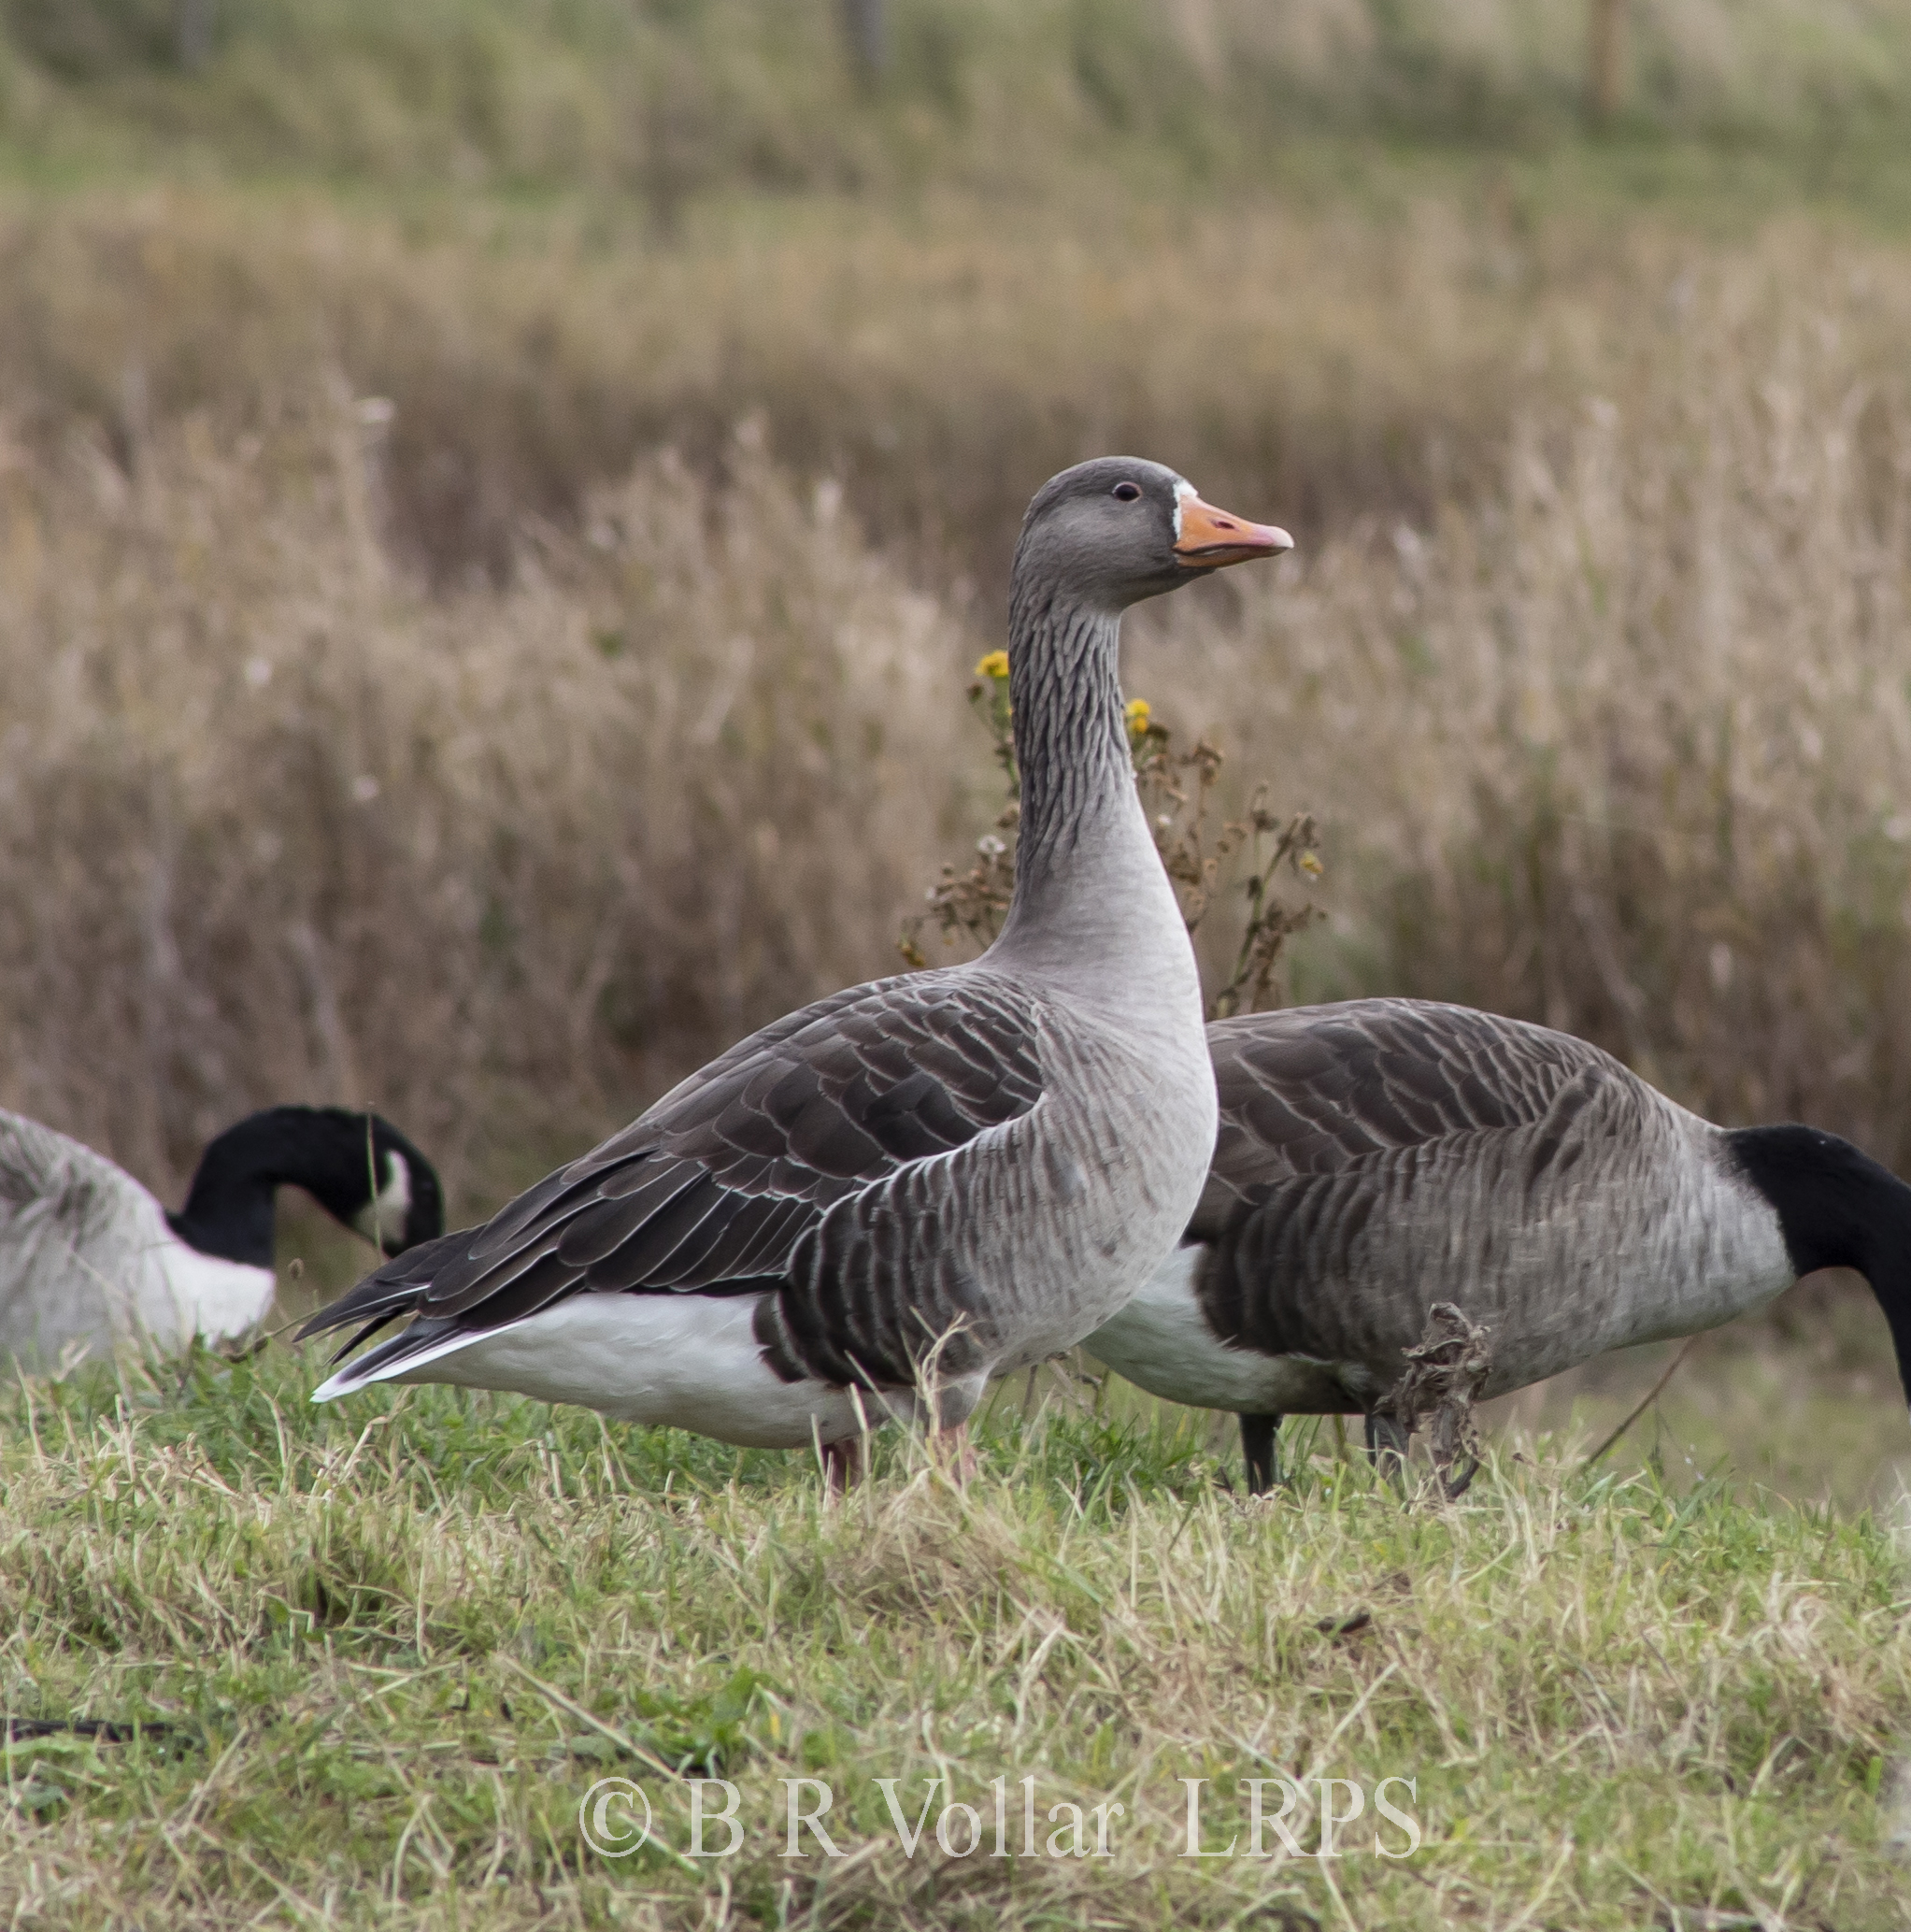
{"x":1070,"y":743}
{"x":341,"y":1157}
{"x":230,"y":1213}
{"x":1837,"y":1207}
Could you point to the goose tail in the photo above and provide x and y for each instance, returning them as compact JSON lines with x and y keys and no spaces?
{"x":386,"y":1296}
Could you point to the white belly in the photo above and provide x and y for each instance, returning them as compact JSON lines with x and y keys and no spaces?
{"x":674,"y":1361}
{"x":124,"y":1286}
{"x":206,"y":1295}
{"x":1160,"y":1341}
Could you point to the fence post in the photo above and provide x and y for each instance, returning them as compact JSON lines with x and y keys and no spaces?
{"x":1605,"y":59}
{"x":865,"y":25}
{"x":193,"y":32}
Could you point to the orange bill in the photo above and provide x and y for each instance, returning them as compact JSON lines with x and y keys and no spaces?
{"x":1211,"y":537}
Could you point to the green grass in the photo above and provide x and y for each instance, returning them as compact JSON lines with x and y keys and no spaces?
{"x":670,"y":103}
{"x":388,"y":1647}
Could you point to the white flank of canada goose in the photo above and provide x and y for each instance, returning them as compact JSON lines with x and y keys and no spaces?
{"x":89,"y":1257}
{"x":945,"y":1175}
{"x":1381,"y":1155}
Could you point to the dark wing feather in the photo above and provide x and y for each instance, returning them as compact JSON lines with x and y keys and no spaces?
{"x":1331,"y":1114}
{"x":711,"y":1190}
{"x":1314,"y":1089}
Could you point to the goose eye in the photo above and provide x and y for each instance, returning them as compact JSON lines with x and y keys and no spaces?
{"x":1127,"y":492}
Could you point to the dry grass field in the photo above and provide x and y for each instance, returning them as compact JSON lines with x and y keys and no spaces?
{"x":547,"y":763}
{"x":371,"y":1666}
{"x":498,"y":511}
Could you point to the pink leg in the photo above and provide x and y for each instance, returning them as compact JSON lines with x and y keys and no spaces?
{"x":955,"y":1454}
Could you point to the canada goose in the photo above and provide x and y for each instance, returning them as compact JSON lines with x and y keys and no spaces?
{"x":1382,"y":1155}
{"x":88,"y":1256}
{"x":960,"y":1170}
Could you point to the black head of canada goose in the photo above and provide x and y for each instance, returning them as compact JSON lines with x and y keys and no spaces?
{"x":88,"y":1256}
{"x":1378,"y":1156}
{"x":941,"y":1176}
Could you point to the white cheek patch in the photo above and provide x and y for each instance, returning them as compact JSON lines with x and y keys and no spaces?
{"x":1183,"y":491}
{"x":386,"y":1213}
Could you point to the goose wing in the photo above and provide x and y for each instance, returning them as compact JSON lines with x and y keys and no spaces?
{"x":1336,"y":1122}
{"x":714,"y":1189}
{"x":79,"y":1243}
{"x":1319,"y":1090}
{"x":55,"y":1189}
{"x":34,"y":1164}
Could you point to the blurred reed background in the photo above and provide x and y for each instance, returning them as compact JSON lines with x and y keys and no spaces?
{"x":498,"y":505}
{"x":673,"y":98}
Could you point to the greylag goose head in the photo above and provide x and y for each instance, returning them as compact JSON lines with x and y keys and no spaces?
{"x":1116,"y":530}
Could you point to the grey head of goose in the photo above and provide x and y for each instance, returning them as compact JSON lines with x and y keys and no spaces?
{"x":1097,"y":538}
{"x":1378,"y":1156}
{"x":1118,"y":529}
{"x":873,"y":1205}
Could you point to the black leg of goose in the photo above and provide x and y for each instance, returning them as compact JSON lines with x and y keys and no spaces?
{"x":1386,"y":1444}
{"x":1460,"y":1478}
{"x":842,"y":1464}
{"x":1257,"y":1434}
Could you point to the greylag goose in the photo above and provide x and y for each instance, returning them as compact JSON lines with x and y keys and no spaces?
{"x":1379,"y":1156}
{"x":931,"y":1179}
{"x":88,"y":1256}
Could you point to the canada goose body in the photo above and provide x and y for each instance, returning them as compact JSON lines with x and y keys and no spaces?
{"x":1378,"y":1156}
{"x":938,"y":1177}
{"x":88,"y":1257}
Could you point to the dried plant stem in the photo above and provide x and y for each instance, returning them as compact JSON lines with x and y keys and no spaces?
{"x":1651,"y":1396}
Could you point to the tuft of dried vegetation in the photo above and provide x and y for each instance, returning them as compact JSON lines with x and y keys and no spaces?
{"x":275,"y":823}
{"x":366,"y":1667}
{"x":1445,"y":1373}
{"x":1244,"y":856}
{"x":1599,"y":713}
{"x":1625,"y":746}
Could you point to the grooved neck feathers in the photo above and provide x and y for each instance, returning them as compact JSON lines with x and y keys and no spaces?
{"x":1070,"y":744}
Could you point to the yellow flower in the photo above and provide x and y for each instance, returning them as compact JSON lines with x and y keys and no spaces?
{"x":1311,"y":866}
{"x":1138,"y":715}
{"x":994,"y":665}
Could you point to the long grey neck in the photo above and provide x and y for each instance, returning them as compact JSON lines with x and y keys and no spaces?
{"x":1069,"y":742}
{"x":1092,"y":900}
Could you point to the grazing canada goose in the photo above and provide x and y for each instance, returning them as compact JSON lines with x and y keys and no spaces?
{"x":88,"y":1256}
{"x":961,"y":1170}
{"x":1382,"y":1155}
